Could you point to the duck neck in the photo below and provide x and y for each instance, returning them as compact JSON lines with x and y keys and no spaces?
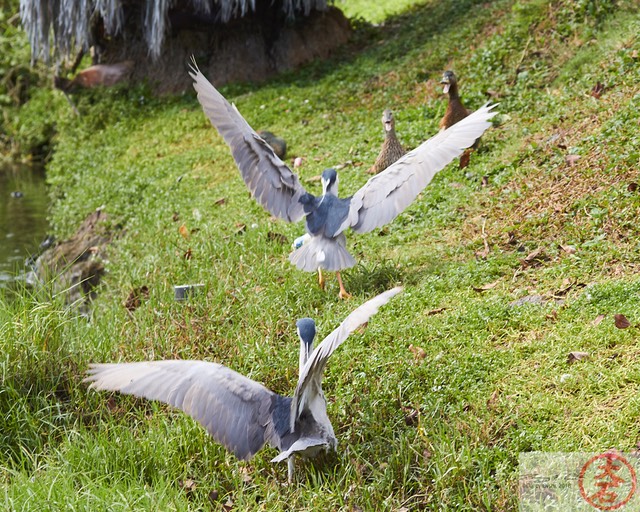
{"x":453,"y":92}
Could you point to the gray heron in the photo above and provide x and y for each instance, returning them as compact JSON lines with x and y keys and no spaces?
{"x":278,"y":189}
{"x":239,"y":413}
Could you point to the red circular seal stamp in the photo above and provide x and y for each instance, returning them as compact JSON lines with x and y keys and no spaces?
{"x":607,"y":481}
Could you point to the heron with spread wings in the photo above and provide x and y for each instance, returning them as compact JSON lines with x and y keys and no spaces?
{"x":239,"y":413}
{"x":278,"y":189}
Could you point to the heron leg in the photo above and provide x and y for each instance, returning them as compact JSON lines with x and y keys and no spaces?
{"x":290,"y":466}
{"x":320,"y":278}
{"x":343,"y":293}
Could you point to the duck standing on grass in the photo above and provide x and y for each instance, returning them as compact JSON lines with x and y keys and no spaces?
{"x":278,"y":189}
{"x":239,"y":413}
{"x":456,"y":111}
{"x":391,"y":150}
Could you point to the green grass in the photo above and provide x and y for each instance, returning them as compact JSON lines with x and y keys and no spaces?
{"x":494,"y":381}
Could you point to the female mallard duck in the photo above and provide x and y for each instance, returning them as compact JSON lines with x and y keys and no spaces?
{"x":456,"y":111}
{"x":391,"y":148}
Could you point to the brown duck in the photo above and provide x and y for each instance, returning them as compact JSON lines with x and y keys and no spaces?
{"x":456,"y":111}
{"x":391,"y":149}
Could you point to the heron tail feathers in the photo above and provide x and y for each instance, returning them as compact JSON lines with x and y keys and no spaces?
{"x":325,"y":253}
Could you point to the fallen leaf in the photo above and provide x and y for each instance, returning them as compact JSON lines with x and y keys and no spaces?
{"x":188,"y":485}
{"x":213,"y":495}
{"x":534,"y":258}
{"x":135,"y":297}
{"x":597,"y":320}
{"x":228,"y":506}
{"x":491,"y":402}
{"x":621,"y":321}
{"x":597,"y":90}
{"x":240,"y":228}
{"x":175,"y":217}
{"x":572,"y":159}
{"x":455,"y":184}
{"x":486,"y":287}
{"x":411,"y":418}
{"x":553,"y":315}
{"x":435,"y":311}
{"x":184,"y":231}
{"x":577,"y":356}
{"x":246,"y":476}
{"x":485,"y":181}
{"x":418,"y":352}
{"x":277,"y":237}
{"x":220,"y":201}
{"x":569,"y":249}
{"x":632,"y":187}
{"x":187,"y":255}
{"x":313,"y":179}
{"x":512,"y":240}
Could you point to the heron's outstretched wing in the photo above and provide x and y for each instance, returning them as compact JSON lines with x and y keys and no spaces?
{"x":387,"y":194}
{"x":269,"y":180}
{"x":233,"y":408}
{"x":311,"y":374}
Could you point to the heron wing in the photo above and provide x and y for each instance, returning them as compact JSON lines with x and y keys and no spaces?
{"x":387,"y":194}
{"x":311,"y":375}
{"x":268,"y":178}
{"x":233,"y":408}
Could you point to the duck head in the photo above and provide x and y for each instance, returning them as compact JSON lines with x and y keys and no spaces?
{"x":388,"y":122}
{"x":448,"y":80}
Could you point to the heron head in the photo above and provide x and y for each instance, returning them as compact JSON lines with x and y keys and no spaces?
{"x":307,"y":333}
{"x":448,"y":79}
{"x":387,"y":120}
{"x":329,"y":181}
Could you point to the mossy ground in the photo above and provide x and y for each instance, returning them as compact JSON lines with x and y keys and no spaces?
{"x":494,"y":379}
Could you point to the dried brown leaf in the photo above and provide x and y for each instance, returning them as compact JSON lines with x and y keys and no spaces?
{"x":187,"y":254}
{"x":435,"y":311}
{"x":632,"y":187}
{"x":188,"y":485}
{"x":569,"y":249}
{"x":485,"y":181}
{"x":220,"y":201}
{"x":175,"y":217}
{"x":418,"y":352}
{"x":621,"y":321}
{"x":577,"y":356}
{"x":135,"y":298}
{"x":486,"y":287}
{"x":277,"y":237}
{"x":597,"y":90}
{"x":240,"y":228}
{"x":534,"y":258}
{"x":491,"y":402}
{"x":184,"y":231}
{"x":597,"y":320}
{"x":572,"y":159}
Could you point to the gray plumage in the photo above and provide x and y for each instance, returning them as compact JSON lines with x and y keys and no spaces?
{"x":379,"y":201}
{"x":238,"y":412}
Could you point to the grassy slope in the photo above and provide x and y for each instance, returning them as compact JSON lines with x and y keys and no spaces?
{"x":494,"y":381}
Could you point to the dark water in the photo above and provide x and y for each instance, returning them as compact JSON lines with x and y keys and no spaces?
{"x":23,"y":220}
